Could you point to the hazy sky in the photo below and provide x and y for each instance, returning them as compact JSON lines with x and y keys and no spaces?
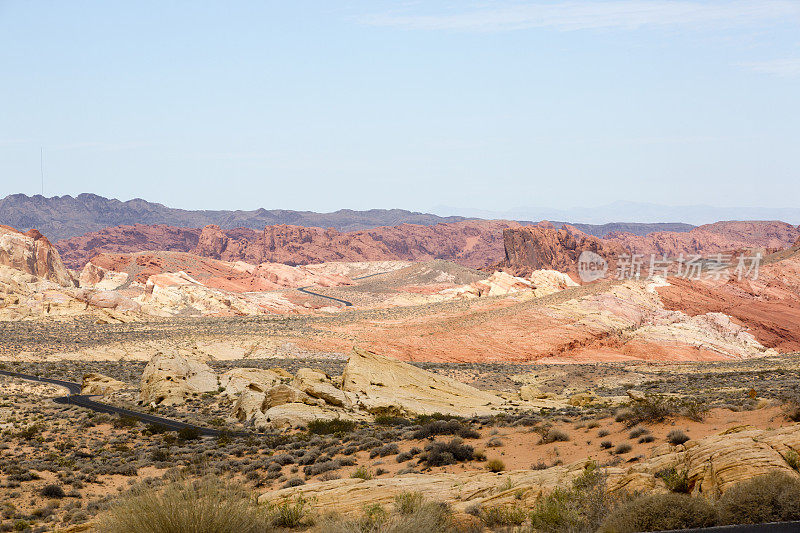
{"x":324,"y":105}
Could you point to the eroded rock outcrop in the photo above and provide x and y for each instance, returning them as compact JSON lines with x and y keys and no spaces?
{"x":378,"y":383}
{"x":33,"y":254}
{"x":170,"y":379}
{"x":98,"y":384}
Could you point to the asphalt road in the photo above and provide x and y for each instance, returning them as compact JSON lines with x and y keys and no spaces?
{"x":82,"y":400}
{"x":345,"y":302}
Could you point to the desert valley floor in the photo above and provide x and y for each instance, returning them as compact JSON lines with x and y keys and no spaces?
{"x":344,"y":395}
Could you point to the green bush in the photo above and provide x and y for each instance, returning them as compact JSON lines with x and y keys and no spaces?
{"x":676,"y":436}
{"x":659,"y":512}
{"x":289,"y":513}
{"x":503,"y":515}
{"x":208,"y":505}
{"x":578,"y":508}
{"x":495,"y":465}
{"x":426,"y":517}
{"x":676,"y":481}
{"x":330,"y":427}
{"x":772,"y":497}
{"x":554,"y":435}
{"x":189,"y":433}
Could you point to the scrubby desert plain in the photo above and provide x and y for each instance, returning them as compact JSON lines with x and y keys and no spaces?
{"x":447,"y":389}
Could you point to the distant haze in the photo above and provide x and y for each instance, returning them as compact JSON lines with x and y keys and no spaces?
{"x":633,"y":212}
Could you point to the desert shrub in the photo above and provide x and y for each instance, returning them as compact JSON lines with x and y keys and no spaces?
{"x":659,"y":512}
{"x":656,"y":408}
{"x":675,"y":480}
{"x":29,"y":432}
{"x":622,"y":448}
{"x":495,"y":465}
{"x":208,"y":505}
{"x":606,"y":444}
{"x":446,"y":453}
{"x":294,"y":482}
{"x":646,"y":438}
{"x":155,"y":429}
{"x":320,"y":468}
{"x":578,"y":508}
{"x":408,"y":502}
{"x":283,"y":459}
{"x":676,"y":436}
{"x":769,"y":498}
{"x":445,"y":427}
{"x":329,"y":427}
{"x":419,"y":517}
{"x":503,"y":515}
{"x":289,"y":513}
{"x":189,"y":433}
{"x":361,"y":472}
{"x":637,"y":432}
{"x":603,"y":433}
{"x":424,"y":419}
{"x":394,"y":421}
{"x":159,"y":454}
{"x":554,"y":435}
{"x":386,"y":449}
{"x":125,"y":422}
{"x":52,"y":491}
{"x":403,"y":457}
{"x":792,"y":459}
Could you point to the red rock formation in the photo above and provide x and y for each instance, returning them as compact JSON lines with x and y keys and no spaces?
{"x":544,"y":247}
{"x":712,"y":238}
{"x":474,"y":243}
{"x":32,"y":253}
{"x":768,"y":305}
{"x":77,"y":251}
{"x":234,"y":277}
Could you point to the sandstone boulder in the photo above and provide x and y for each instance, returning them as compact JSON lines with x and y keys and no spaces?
{"x":318,"y":385}
{"x":33,"y":254}
{"x":529,"y":393}
{"x":283,"y":394}
{"x":236,"y":380}
{"x":379,"y":383}
{"x":169,"y":379}
{"x":98,"y":384}
{"x":291,"y":415}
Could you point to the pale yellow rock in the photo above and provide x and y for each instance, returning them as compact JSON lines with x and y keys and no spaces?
{"x":283,"y":394}
{"x":318,"y":385}
{"x":236,"y":380}
{"x":98,"y":384}
{"x":581,"y":399}
{"x":168,"y":379}
{"x":377,"y":382}
{"x":529,"y":393}
{"x":290,"y":415}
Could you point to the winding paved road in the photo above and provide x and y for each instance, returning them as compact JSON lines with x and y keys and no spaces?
{"x":345,"y":302}
{"x":81,"y":400}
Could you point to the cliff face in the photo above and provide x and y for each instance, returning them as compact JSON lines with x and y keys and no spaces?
{"x":544,"y":247}
{"x":474,"y":243}
{"x":33,"y":254}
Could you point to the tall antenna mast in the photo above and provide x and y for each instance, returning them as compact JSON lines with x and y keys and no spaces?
{"x":41,"y":166}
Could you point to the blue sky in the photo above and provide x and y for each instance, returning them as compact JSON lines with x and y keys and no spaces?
{"x":327,"y":105}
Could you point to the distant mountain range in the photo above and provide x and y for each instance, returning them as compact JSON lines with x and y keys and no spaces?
{"x":634,"y":212}
{"x":63,"y":217}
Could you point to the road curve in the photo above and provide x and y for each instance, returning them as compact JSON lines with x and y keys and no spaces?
{"x":345,"y":302}
{"x":81,"y":400}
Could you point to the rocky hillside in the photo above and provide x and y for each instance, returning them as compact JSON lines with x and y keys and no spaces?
{"x":62,"y":217}
{"x":543,"y":246}
{"x":474,"y":243}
